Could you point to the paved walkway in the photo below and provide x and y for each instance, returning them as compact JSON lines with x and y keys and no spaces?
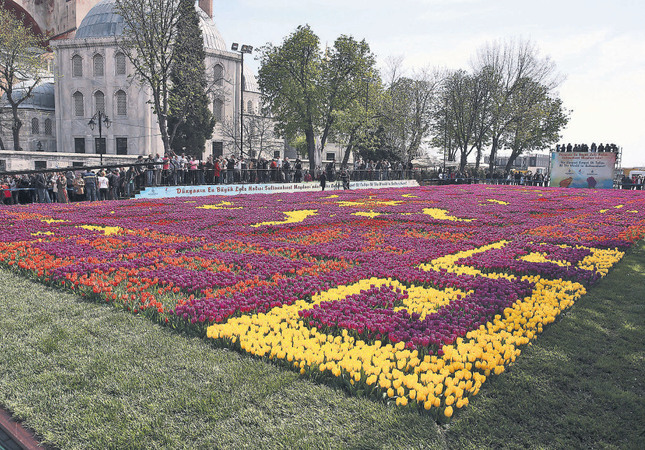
{"x":13,"y":436}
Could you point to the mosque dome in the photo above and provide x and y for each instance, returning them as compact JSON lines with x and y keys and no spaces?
{"x":250,"y":82}
{"x":42,"y":96}
{"x":102,"y":21}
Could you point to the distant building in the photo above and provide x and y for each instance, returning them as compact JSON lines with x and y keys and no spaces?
{"x":91,"y":74}
{"x":522,"y":162}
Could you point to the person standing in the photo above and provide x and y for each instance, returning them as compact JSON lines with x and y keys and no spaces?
{"x":323,"y":180}
{"x":91,"y":188}
{"x":344,"y":176}
{"x":41,"y":189}
{"x":103,"y":185}
{"x":61,"y":184}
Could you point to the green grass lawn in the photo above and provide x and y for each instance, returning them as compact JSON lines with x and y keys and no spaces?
{"x":84,"y":375}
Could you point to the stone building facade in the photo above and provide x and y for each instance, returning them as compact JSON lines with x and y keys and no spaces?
{"x":92,"y":75}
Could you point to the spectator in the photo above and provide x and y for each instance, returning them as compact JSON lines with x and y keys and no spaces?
{"x":91,"y":186}
{"x":61,"y":183}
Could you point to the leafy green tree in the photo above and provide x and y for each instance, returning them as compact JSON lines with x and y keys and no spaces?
{"x":288,"y":79}
{"x":190,"y":121}
{"x":306,"y":89}
{"x":21,"y":60}
{"x":507,"y":68}
{"x":537,"y":129}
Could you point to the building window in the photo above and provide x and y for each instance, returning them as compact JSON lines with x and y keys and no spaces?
{"x":218,"y":107}
{"x":79,"y":111}
{"x":218,"y":149}
{"x":218,"y":75}
{"x":40,"y":165}
{"x":99,"y":66}
{"x":3,"y":165}
{"x":120,"y":63}
{"x":35,"y":126}
{"x":276,"y":154}
{"x":79,"y":145}
{"x":77,"y":66}
{"x":121,"y":146}
{"x":99,"y":102}
{"x":121,"y":103}
{"x":99,"y":146}
{"x":249,"y":107}
{"x":48,"y":127}
{"x":77,"y":163}
{"x":331,"y":156}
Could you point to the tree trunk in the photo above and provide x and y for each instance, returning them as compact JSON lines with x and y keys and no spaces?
{"x":311,"y":148}
{"x":463,"y":160}
{"x":493,"y":154}
{"x":350,"y":147}
{"x":15,"y":128}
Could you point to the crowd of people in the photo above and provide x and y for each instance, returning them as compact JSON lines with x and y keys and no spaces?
{"x":65,"y":187}
{"x":634,"y":183}
{"x":602,"y":148}
{"x":173,"y":169}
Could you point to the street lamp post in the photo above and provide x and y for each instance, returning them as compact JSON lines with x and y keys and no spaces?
{"x":99,"y":118}
{"x":242,"y":50}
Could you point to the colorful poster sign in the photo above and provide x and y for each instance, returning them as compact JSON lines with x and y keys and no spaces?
{"x":582,"y":170}
{"x":273,"y":188}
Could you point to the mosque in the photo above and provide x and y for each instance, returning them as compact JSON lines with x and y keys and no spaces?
{"x":90,"y":75}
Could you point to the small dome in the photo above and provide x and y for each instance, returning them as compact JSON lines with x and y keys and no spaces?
{"x":250,"y":82}
{"x":42,"y":96}
{"x":212,"y":37}
{"x":101,"y":21}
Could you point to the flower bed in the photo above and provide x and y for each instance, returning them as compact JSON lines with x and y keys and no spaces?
{"x":413,"y":295}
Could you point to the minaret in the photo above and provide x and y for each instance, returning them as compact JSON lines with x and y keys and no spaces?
{"x":207,"y":7}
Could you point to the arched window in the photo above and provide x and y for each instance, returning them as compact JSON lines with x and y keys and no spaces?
{"x":99,"y":102}
{"x":35,"y":126}
{"x":249,"y":107}
{"x":218,"y":109}
{"x":79,"y":111}
{"x":48,"y":127}
{"x":99,"y":66}
{"x":120,"y":63}
{"x":218,"y":75}
{"x":77,"y":66}
{"x":121,"y":103}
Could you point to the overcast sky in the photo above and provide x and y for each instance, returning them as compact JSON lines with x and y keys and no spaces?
{"x":597,"y":45}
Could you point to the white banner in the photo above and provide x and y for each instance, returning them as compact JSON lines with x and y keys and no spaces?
{"x":582,"y":170}
{"x":236,"y":189}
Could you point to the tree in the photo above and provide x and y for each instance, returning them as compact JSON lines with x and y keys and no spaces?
{"x":288,"y":78}
{"x":190,"y":121}
{"x":148,"y":42}
{"x":306,"y":89}
{"x":538,"y":128}
{"x":506,"y":67}
{"x":466,"y":103}
{"x":358,"y":125}
{"x":407,"y":110}
{"x":21,"y":60}
{"x":258,"y":132}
